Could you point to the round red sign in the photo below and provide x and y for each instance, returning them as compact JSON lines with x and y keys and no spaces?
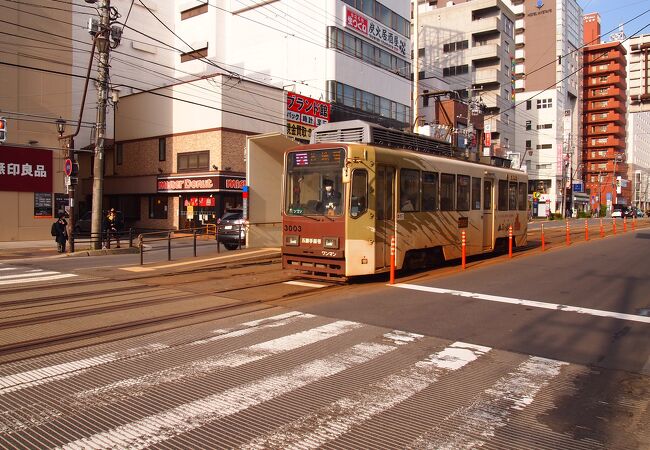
{"x":67,"y":165}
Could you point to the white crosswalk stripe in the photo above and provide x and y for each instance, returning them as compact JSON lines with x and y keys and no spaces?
{"x":210,"y":378}
{"x":20,"y":275}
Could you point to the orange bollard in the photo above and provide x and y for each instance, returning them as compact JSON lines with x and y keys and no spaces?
{"x":392,"y":260}
{"x":568,"y":235}
{"x":614,"y":226}
{"x":463,"y":244}
{"x":624,"y":224}
{"x":586,"y":230}
{"x":602,"y":230}
{"x":543,"y":242}
{"x":510,"y":241}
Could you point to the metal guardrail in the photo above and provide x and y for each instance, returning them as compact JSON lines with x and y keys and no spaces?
{"x":88,"y":238}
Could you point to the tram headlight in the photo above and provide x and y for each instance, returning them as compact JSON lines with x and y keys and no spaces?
{"x":292,"y":240}
{"x":331,"y":242}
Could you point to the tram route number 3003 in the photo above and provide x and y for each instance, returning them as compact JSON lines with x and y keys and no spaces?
{"x":296,"y":228}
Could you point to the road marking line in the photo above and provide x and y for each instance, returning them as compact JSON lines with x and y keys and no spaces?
{"x":160,"y":427}
{"x":336,"y":419}
{"x":305,"y":284}
{"x":490,"y":411}
{"x":22,"y":380}
{"x":33,"y":280}
{"x":185,"y":263}
{"x":31,"y":273}
{"x":533,"y":303}
{"x":7,"y":268}
{"x":236,"y":358}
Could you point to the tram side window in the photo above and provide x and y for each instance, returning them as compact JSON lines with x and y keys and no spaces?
{"x":462,"y":193}
{"x":502,"y":201}
{"x":358,"y":200}
{"x":512,"y":196}
{"x":487,"y":195}
{"x":523,"y":196}
{"x":429,"y":191}
{"x":447,"y":190}
{"x":409,"y":191}
{"x":476,"y":193}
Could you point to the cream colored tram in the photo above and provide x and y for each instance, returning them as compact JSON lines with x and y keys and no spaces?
{"x":423,"y":200}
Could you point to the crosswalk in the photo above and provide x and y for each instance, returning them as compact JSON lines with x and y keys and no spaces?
{"x":289,"y":380}
{"x":16,"y":275}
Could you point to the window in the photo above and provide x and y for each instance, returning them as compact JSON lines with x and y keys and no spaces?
{"x":447,"y":189}
{"x":544,"y":126}
{"x":429,"y":191}
{"x":462,"y":193}
{"x":162,"y":149}
{"x":487,"y":195}
{"x":359,"y":199}
{"x":454,"y":70}
{"x":455,"y":46}
{"x":502,"y":201}
{"x":158,"y":207}
{"x":119,"y":155}
{"x":529,"y":104}
{"x":193,"y":161}
{"x":195,"y":54}
{"x":356,"y":98}
{"x":529,"y":125}
{"x":476,"y":193}
{"x":529,"y":144}
{"x":425,"y":99}
{"x":544,"y":146}
{"x":409,"y":190}
{"x":544,"y":103}
{"x":522,"y":200}
{"x":512,"y":196}
{"x":506,"y":119}
{"x":193,"y":12}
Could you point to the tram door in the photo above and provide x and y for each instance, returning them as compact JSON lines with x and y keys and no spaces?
{"x":488,"y":213}
{"x":385,"y":205}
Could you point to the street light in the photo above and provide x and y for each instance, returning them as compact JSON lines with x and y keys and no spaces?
{"x":60,"y":126}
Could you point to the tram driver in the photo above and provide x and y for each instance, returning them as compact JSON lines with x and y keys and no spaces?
{"x":331,"y":197}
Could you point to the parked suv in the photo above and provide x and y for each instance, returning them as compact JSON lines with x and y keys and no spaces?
{"x":231,"y":228}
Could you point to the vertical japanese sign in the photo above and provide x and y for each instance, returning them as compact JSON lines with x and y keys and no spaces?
{"x":25,"y":169}
{"x":378,"y":32}
{"x":304,"y":114}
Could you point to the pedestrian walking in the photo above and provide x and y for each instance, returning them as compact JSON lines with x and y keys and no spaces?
{"x":112,"y":228}
{"x":60,"y":232}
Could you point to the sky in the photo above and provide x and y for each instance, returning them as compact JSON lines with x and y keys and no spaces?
{"x":614,"y":12}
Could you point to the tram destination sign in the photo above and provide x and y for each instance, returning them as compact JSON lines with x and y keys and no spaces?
{"x":317,"y":158}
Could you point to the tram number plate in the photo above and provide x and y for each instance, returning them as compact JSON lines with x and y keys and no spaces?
{"x":324,"y":253}
{"x":463,"y":222}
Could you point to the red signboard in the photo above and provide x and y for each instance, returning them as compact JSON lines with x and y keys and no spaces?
{"x":25,"y":169}
{"x":197,"y":183}
{"x":488,"y":139}
{"x":356,"y":21}
{"x":305,"y":110}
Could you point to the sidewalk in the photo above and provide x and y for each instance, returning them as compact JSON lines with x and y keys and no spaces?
{"x":28,"y":249}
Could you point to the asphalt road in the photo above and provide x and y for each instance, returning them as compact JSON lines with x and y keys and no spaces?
{"x":546,"y":350}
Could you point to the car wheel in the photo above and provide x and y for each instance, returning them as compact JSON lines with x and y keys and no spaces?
{"x":231,"y":246}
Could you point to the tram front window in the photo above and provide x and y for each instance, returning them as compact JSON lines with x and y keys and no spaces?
{"x":313,"y":184}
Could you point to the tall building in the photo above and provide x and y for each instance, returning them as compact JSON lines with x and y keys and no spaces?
{"x":548,"y":38}
{"x":605,"y":106}
{"x":638,"y":158}
{"x":639,"y":72}
{"x":470,"y":46}
{"x":591,"y":31}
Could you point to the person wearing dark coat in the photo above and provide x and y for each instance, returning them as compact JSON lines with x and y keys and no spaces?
{"x":61,"y":230}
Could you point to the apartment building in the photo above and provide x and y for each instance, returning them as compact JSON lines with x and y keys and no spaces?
{"x":638,"y":72}
{"x":638,"y":158}
{"x":469,"y":45}
{"x":605,"y":105}
{"x":548,"y":84}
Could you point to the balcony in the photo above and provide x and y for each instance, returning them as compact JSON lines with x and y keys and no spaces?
{"x":602,"y":105}
{"x":604,"y":117}
{"x":484,"y":52}
{"x":612,"y":67}
{"x":485,"y":76}
{"x":611,"y":80}
{"x":609,"y":141}
{"x":602,"y":130}
{"x":519,"y":39}
{"x":494,"y":101}
{"x":520,"y":83}
{"x":610,"y":92}
{"x":520,"y":69}
{"x":486,"y":25}
{"x":599,"y":57}
{"x":520,"y":53}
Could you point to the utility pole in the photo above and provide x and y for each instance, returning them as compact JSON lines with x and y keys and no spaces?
{"x":103,"y":45}
{"x":416,"y":67}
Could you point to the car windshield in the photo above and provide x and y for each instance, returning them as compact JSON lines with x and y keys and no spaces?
{"x":231,"y":216}
{"x":314,"y":184}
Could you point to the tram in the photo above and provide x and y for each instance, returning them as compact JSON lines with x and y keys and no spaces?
{"x":357,"y":185}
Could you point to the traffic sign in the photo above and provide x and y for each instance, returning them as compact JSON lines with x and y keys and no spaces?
{"x":68,"y":167}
